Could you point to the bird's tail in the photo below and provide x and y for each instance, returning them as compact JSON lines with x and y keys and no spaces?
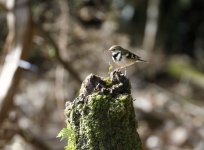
{"x":141,"y":60}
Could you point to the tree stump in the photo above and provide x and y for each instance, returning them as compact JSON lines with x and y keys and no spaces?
{"x":102,"y":117}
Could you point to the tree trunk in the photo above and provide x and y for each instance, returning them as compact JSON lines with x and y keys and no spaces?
{"x":102,"y":117}
{"x":17,"y":45}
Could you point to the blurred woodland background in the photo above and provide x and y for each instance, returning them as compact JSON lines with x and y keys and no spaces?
{"x":48,"y":47}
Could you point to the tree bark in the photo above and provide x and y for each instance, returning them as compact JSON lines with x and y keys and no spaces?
{"x":102,"y":116}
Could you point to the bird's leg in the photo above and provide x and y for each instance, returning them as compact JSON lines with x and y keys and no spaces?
{"x":122,"y":68}
{"x":119,"y":69}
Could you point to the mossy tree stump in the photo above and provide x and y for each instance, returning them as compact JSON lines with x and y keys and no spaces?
{"x":102,"y":116}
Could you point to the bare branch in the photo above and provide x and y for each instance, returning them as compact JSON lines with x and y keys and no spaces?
{"x":65,"y":64}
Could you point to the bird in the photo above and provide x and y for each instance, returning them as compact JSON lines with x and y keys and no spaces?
{"x":123,"y":57}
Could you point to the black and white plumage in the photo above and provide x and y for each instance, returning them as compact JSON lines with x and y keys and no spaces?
{"x":123,"y":57}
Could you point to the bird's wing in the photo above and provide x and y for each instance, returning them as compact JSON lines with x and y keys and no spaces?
{"x":129,"y":54}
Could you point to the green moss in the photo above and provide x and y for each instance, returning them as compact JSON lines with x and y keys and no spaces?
{"x":69,"y":134}
{"x":119,"y":106}
{"x":93,"y":125}
{"x":101,"y":118}
{"x":110,"y":68}
{"x":108,"y":81}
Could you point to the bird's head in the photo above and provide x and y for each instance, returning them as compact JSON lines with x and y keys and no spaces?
{"x":115,"y":48}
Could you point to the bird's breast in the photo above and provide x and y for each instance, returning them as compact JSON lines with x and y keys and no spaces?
{"x":116,"y":56}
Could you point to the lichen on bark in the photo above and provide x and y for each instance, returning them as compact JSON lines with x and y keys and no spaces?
{"x":102,"y":116}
